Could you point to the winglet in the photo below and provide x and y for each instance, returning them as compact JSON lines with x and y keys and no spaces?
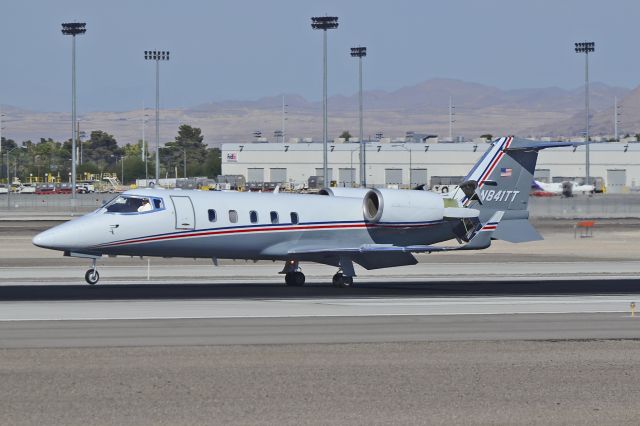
{"x":482,"y":237}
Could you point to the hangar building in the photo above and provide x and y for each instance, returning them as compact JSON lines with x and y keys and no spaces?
{"x":407,"y":164}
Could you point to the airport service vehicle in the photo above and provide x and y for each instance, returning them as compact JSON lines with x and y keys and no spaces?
{"x":561,"y":188}
{"x":375,"y":228}
{"x":27,"y":188}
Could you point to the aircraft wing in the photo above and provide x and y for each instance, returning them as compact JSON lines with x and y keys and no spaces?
{"x":480,"y":240}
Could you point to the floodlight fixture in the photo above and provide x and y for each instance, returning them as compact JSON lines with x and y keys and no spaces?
{"x":74,"y":28}
{"x":156,"y":55}
{"x":585,"y":47}
{"x":358,"y":52}
{"x":324,"y":22}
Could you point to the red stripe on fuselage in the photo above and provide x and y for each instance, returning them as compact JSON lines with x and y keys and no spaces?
{"x":254,"y":230}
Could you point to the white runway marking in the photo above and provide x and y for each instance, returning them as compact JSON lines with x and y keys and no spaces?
{"x":286,"y":308}
{"x":268,"y":272}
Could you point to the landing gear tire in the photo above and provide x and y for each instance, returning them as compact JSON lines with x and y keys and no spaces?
{"x":92,"y":276}
{"x":339,"y":280}
{"x":294,"y":279}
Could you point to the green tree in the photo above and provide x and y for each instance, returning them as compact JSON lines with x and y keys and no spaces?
{"x":103,"y":150}
{"x":189,"y":143}
{"x":487,"y":136}
{"x":346,"y":135}
{"x":213,"y":163}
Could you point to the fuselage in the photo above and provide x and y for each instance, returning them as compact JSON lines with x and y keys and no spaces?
{"x":214,"y":224}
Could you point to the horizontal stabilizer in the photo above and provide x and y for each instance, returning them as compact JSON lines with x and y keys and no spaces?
{"x":517,"y":231}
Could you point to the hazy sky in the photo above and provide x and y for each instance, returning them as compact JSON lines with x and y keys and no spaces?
{"x":247,"y":49}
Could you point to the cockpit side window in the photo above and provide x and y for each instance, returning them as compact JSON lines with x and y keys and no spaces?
{"x":133,"y":204}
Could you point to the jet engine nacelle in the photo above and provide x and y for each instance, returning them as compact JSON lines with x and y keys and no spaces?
{"x":397,"y":205}
{"x":345,"y":192}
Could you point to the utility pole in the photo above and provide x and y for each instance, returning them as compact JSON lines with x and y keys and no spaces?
{"x":284,"y":119}
{"x":616,"y":119}
{"x":1,"y":115}
{"x":451,"y":120}
{"x":79,"y":147}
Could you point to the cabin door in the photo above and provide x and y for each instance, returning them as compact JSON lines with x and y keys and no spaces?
{"x":185,"y":215}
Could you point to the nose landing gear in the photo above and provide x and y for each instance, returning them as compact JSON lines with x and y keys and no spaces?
{"x":92,"y":276}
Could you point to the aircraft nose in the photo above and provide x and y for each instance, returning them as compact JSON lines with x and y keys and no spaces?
{"x":46,"y":239}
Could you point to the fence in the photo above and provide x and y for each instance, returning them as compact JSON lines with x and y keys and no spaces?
{"x":59,"y":203}
{"x":597,"y":206}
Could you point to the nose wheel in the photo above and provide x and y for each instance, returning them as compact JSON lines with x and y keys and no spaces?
{"x":92,"y":276}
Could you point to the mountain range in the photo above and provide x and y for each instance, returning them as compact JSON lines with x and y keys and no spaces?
{"x":424,"y":108}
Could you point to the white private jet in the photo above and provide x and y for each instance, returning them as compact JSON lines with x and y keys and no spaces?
{"x":375,"y":228}
{"x":560,"y":188}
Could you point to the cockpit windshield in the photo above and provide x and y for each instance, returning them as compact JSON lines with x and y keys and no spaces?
{"x":133,"y":204}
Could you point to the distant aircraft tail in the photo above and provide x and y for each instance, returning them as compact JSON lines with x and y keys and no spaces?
{"x":501,"y":181}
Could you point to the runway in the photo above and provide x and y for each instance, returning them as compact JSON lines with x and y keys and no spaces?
{"x":196,"y":314}
{"x":316,"y":330}
{"x":392,"y":351}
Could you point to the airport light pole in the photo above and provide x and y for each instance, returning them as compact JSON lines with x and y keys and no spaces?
{"x":157,"y":55}
{"x":144,"y":146}
{"x":586,"y":48}
{"x":73,"y":29}
{"x":360,"y":52}
{"x":324,"y":23}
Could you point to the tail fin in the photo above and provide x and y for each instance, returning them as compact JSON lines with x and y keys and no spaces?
{"x":501,"y":181}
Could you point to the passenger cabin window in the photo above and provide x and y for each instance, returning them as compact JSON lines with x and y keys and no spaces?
{"x":212,"y":215}
{"x":133,"y":204}
{"x":233,"y":216}
{"x":294,"y":218}
{"x":253,"y":216}
{"x":274,"y":218}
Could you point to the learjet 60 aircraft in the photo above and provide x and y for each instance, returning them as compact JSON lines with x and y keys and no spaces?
{"x":375,"y":228}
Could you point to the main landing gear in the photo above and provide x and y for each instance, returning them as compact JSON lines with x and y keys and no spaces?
{"x":343,"y":278}
{"x":92,"y":276}
{"x":339,"y":280}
